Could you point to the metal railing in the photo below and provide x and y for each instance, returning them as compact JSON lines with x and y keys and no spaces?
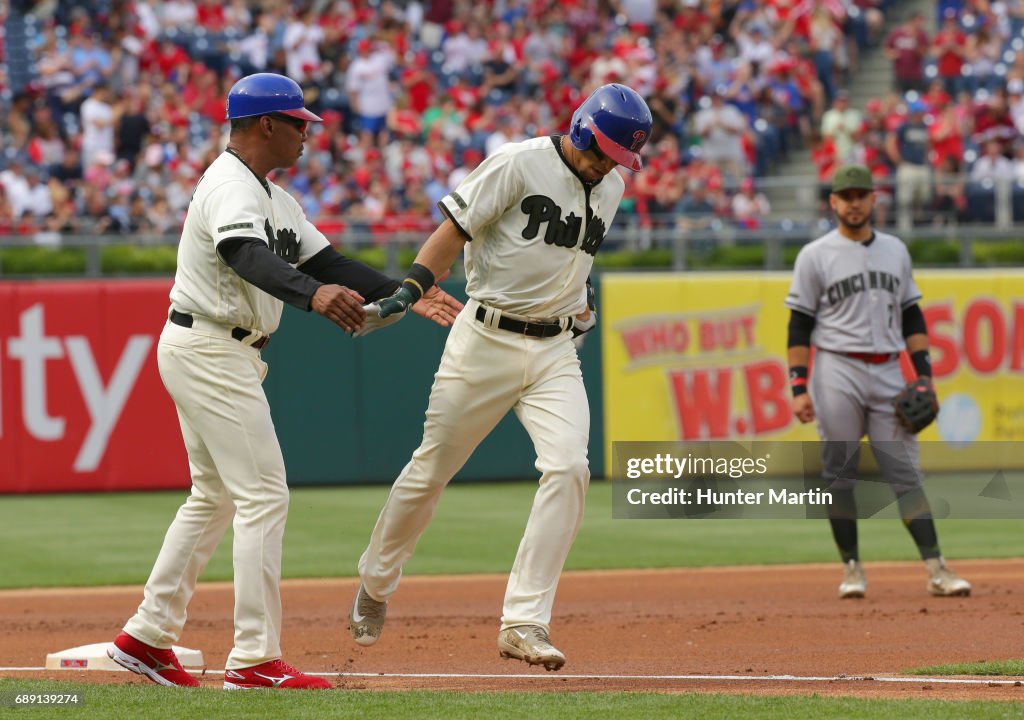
{"x":689,"y":240}
{"x":686,"y":248}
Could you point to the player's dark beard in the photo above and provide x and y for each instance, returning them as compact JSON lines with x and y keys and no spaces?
{"x":845,"y":221}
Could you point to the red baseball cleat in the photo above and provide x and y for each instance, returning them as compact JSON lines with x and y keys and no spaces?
{"x":273,"y":675}
{"x":159,"y":665}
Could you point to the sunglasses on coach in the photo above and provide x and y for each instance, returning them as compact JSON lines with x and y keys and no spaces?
{"x":296,"y":123}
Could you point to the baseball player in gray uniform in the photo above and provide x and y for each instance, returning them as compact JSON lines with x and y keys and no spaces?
{"x":246,"y":248}
{"x":854,"y":298}
{"x":530,"y":219}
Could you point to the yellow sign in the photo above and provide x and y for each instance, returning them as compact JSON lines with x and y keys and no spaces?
{"x":703,"y":357}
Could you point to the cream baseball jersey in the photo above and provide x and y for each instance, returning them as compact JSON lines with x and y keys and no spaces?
{"x":535,"y":228}
{"x":855,"y":291}
{"x":230,"y":202}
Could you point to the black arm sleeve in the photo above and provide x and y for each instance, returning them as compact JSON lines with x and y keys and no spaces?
{"x":328,"y":266}
{"x":913,"y":321}
{"x":801,"y":325}
{"x":256,"y":264}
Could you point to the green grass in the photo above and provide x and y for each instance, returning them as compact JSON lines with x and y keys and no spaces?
{"x":104,"y":539}
{"x":1011,"y":668}
{"x":145,"y":701}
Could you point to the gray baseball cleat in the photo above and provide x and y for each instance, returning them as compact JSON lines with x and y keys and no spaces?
{"x":531,"y":644}
{"x":943,"y":582}
{"x":854,"y":583}
{"x":366,"y":619}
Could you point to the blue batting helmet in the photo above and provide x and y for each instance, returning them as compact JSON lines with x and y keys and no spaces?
{"x":617,"y":119}
{"x":265,"y":93}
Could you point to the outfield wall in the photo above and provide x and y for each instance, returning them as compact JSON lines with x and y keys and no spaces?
{"x":704,"y":359}
{"x":82,"y":407}
{"x":694,"y":356}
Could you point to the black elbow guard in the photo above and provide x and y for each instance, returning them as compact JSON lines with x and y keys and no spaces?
{"x":801,"y":325}
{"x":913,"y":321}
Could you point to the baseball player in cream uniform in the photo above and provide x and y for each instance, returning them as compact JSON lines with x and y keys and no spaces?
{"x":530,"y":219}
{"x":246,"y":248}
{"x":853,"y":297}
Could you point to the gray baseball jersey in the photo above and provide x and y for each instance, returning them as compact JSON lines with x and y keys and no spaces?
{"x":231,"y":202}
{"x":534,"y":262}
{"x":855,"y":291}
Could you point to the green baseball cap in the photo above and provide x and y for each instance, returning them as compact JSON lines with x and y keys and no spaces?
{"x":852,"y":177}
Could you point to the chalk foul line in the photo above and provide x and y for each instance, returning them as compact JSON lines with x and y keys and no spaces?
{"x":1001,"y":680}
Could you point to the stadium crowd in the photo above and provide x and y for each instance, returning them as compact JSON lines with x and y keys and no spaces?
{"x":121,"y":102}
{"x":953,"y":125}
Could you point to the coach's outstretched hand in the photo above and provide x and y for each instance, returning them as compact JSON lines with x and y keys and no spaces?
{"x":340,"y":305}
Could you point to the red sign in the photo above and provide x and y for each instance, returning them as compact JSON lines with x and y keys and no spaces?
{"x":82,"y":407}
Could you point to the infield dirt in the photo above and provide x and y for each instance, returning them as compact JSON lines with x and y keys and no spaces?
{"x":748,"y":621}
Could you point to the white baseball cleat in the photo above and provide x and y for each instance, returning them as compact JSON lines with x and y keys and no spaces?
{"x":943,"y":582}
{"x":531,"y":644}
{"x":366,"y":620}
{"x":854,"y":584}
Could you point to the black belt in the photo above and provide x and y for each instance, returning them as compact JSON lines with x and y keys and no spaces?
{"x":533,"y":329}
{"x":238,"y":333}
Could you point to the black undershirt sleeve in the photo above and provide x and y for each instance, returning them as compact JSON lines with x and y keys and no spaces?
{"x":328,"y":266}
{"x":257,"y":264}
{"x":801,"y":325}
{"x":913,"y":321}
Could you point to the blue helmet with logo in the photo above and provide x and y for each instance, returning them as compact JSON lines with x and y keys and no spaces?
{"x":265,"y":93}
{"x":617,"y":119}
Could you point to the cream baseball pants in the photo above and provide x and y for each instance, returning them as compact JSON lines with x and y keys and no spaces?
{"x":485,"y":372}
{"x":238,"y":476}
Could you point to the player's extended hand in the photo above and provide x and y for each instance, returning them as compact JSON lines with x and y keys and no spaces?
{"x":803,"y":408}
{"x":340,"y":305}
{"x":438,"y":306}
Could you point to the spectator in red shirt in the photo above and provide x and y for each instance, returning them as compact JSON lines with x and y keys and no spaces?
{"x":402,"y":120}
{"x":692,"y":20}
{"x":936,"y":97}
{"x":945,"y":136}
{"x":168,"y":57}
{"x":948,"y":51}
{"x":420,"y":83}
{"x":993,"y":122}
{"x":906,"y":46}
{"x":210,"y":15}
{"x":824,"y":155}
